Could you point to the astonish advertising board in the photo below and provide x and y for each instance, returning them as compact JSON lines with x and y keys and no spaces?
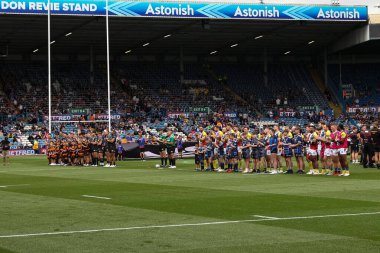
{"x":187,"y":10}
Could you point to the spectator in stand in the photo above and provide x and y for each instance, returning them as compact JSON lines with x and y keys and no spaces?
{"x":36,"y":147}
{"x":124,"y":140}
{"x":278,"y":101}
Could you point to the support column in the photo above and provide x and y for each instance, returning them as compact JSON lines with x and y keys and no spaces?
{"x":340,"y":69}
{"x":91,"y":65}
{"x":325,"y":62}
{"x":265,"y":67}
{"x":181,"y":67}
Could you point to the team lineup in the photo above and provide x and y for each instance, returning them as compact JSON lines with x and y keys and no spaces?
{"x":321,"y":148}
{"x":89,"y":149}
{"x":103,"y":149}
{"x":263,"y":151}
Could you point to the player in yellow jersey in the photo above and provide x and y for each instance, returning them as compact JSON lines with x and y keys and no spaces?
{"x":325,"y":152}
{"x":278,"y":135}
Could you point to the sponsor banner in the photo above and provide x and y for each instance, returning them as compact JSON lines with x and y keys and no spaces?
{"x":132,"y":150}
{"x":200,"y":109}
{"x":309,"y":108}
{"x":230,"y":114}
{"x":287,"y":114}
{"x":63,"y":117}
{"x":20,"y":152}
{"x":363,"y":109}
{"x":23,"y":152}
{"x":105,"y":116}
{"x":71,"y":117}
{"x":187,"y":10}
{"x":80,"y":111}
{"x":174,"y":115}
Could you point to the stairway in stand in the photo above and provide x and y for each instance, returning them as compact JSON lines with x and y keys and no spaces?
{"x":227,"y":89}
{"x":318,"y":80}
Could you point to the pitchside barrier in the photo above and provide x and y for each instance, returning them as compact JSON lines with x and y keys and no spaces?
{"x":131,"y":150}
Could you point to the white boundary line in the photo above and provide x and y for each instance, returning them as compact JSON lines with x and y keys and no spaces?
{"x":95,"y":197}
{"x":266,"y":217}
{"x":181,"y":225}
{"x":5,"y":186}
{"x":319,"y":216}
{"x":31,"y":170}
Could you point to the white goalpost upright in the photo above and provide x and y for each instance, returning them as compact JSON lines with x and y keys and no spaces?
{"x":50,"y":121}
{"x":49,"y":68}
{"x":108,"y":69}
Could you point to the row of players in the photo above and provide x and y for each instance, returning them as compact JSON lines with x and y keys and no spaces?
{"x":94,"y":149}
{"x":263,"y":152}
{"x":231,"y":148}
{"x":84,"y":150}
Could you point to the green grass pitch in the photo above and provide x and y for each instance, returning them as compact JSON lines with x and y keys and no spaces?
{"x":143,"y":209}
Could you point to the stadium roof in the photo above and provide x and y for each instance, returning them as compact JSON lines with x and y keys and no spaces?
{"x":371,"y":47}
{"x":74,"y":35}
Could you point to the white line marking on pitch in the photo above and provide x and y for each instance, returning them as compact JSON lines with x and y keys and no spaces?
{"x":12,"y":185}
{"x":31,"y":170}
{"x":95,"y":197}
{"x":315,"y":216}
{"x":266,"y":217}
{"x":182,"y":225}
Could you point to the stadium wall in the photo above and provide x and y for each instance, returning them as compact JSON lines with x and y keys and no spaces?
{"x":375,"y":27}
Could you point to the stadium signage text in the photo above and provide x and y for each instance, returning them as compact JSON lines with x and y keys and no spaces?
{"x":308,"y":108}
{"x":287,"y":114}
{"x":79,"y":111}
{"x":186,"y":10}
{"x":344,"y":14}
{"x":255,"y":13}
{"x":105,"y":116}
{"x":18,"y":152}
{"x":373,"y":109}
{"x":200,"y":109}
{"x":71,"y":117}
{"x":43,"y":6}
{"x":60,"y":117}
{"x":230,"y":114}
{"x":174,"y":115}
{"x":170,"y":11}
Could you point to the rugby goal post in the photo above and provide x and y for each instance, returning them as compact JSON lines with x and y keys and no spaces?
{"x":108,"y":75}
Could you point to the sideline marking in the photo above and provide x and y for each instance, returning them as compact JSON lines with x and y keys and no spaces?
{"x":182,"y":225}
{"x":12,"y":185}
{"x":266,"y":217}
{"x":31,"y":170}
{"x":96,"y":197}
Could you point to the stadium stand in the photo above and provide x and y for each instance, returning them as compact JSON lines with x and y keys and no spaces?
{"x":286,"y":82}
{"x":141,"y":91}
{"x":365,"y":79}
{"x":160,"y":83}
{"x":148,"y":86}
